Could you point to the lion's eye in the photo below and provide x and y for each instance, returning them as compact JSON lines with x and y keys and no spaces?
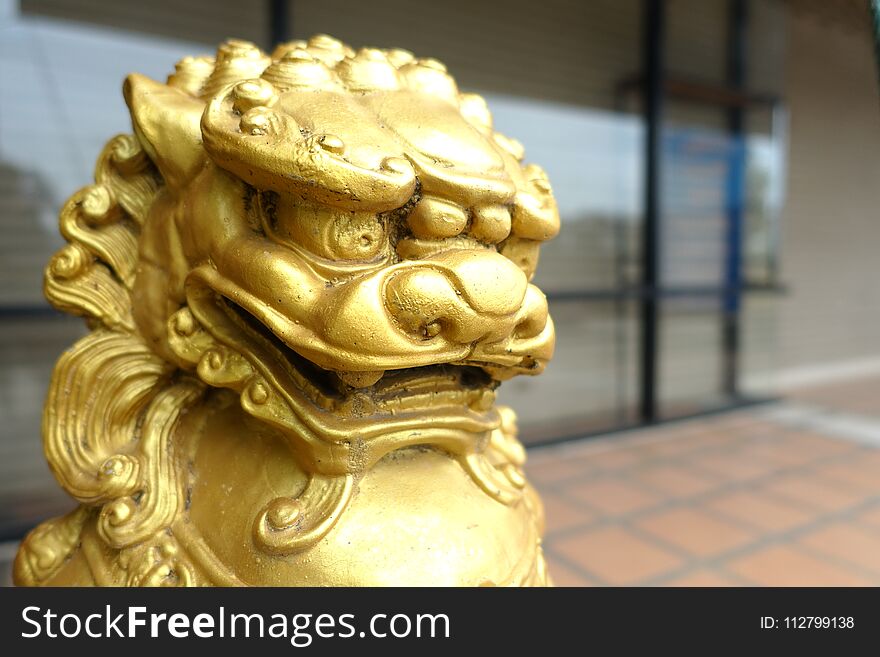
{"x":325,"y":231}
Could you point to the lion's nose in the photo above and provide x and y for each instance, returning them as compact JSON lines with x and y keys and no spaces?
{"x":489,"y":282}
{"x":465,"y":295}
{"x":532,"y":317}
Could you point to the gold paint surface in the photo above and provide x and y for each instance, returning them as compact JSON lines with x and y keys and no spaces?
{"x":305,"y":275}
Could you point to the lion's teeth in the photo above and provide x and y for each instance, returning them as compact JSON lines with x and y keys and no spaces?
{"x":360,"y":379}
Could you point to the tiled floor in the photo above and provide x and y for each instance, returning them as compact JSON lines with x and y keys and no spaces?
{"x":784,"y":494}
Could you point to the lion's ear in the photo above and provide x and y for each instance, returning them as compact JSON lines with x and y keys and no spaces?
{"x":166,"y":121}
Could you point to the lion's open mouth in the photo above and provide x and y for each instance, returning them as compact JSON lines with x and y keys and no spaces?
{"x":428,"y":387}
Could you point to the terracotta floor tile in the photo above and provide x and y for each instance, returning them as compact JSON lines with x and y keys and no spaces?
{"x":695,"y":531}
{"x":814,"y":492}
{"x":731,"y":467}
{"x":850,"y":543}
{"x":781,"y":565}
{"x":563,"y":576}
{"x":616,"y":556}
{"x":780,"y":453}
{"x":614,"y":459}
{"x":781,"y":479}
{"x":761,"y":511}
{"x":854,"y":474}
{"x":674,"y":480}
{"x":611,"y":496}
{"x":750,"y":425}
{"x":871,"y":517}
{"x":816,"y":444}
{"x":677,"y":430}
{"x":869,"y":461}
{"x":550,"y":472}
{"x":702,"y":577}
{"x":561,"y":513}
{"x":687,"y":444}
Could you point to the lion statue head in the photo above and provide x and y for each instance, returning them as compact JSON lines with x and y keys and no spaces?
{"x":316,"y":263}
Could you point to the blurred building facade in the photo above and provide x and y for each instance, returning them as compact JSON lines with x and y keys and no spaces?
{"x":766,"y":171}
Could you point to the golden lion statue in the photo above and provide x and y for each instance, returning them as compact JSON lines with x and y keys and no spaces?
{"x":304,"y":275}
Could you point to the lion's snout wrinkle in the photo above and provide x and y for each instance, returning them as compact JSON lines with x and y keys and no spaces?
{"x":463,"y":296}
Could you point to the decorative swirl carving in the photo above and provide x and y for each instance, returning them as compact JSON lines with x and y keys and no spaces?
{"x":124,"y":168}
{"x":292,"y":524}
{"x":92,"y":219}
{"x":99,"y":390}
{"x":48,"y":546}
{"x":70,"y":262}
{"x":76,"y":283}
{"x":159,"y":561}
{"x":159,"y":497}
